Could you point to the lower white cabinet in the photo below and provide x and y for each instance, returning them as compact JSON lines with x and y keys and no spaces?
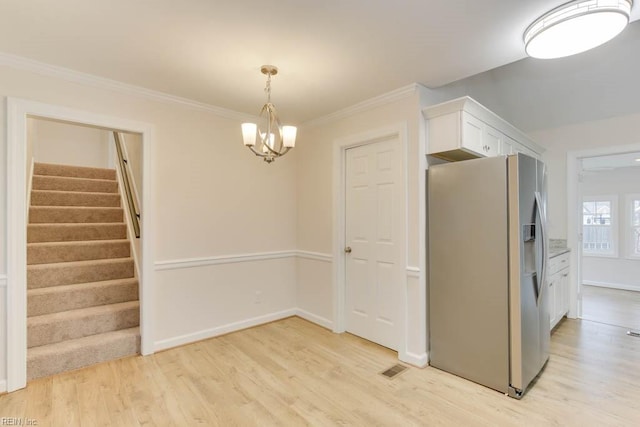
{"x":558,"y":287}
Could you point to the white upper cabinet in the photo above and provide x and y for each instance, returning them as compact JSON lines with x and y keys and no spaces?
{"x":463,"y":129}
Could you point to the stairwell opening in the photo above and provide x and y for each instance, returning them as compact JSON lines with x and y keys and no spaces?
{"x":84,"y":296}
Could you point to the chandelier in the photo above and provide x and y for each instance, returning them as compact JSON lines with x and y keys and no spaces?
{"x":268,"y":139}
{"x":576,"y":27}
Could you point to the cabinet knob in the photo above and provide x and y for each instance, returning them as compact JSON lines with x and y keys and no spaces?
{"x":347,"y":250}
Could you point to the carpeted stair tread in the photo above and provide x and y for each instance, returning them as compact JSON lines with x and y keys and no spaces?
{"x":64,"y":183}
{"x":73,"y":232}
{"x":74,"y":214}
{"x":52,"y":252}
{"x":73,"y":198}
{"x":72,"y":324}
{"x":68,"y":273}
{"x":73,"y":171}
{"x":74,"y":354}
{"x":82,"y":293}
{"x":57,"y":299}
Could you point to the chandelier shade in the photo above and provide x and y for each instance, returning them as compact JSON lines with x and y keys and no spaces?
{"x":268,"y":138}
{"x":576,"y":27}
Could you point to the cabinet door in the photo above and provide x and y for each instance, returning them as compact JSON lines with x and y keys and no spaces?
{"x":472,"y":130}
{"x":553,"y":284}
{"x":491,"y":141}
{"x":506,"y":146}
{"x":565,"y":291}
{"x":559,"y":297}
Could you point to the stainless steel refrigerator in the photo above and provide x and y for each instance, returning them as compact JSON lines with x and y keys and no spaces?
{"x":487,"y":246}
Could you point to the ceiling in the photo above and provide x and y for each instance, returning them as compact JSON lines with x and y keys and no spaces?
{"x":331,"y":53}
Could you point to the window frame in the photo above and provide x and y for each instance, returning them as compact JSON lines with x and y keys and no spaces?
{"x":629,"y":227}
{"x":613,"y":200}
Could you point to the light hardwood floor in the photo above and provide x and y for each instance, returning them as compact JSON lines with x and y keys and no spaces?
{"x":612,"y":306}
{"x":292,"y":372}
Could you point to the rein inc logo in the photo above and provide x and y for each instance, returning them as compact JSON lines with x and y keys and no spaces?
{"x":16,"y":421}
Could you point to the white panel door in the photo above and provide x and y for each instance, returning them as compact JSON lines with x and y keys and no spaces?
{"x":374,"y":208}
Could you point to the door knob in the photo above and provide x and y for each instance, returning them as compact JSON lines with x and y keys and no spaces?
{"x":347,"y":250}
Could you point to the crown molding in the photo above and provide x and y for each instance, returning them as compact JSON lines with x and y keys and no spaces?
{"x":377,"y":101}
{"x":26,"y":64}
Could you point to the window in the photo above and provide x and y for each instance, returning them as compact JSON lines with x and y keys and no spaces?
{"x":633,"y":207}
{"x":599,"y":226}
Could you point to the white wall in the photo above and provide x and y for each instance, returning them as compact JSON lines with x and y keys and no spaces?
{"x":215,"y":203}
{"x":68,"y":144}
{"x":621,"y":271}
{"x":617,"y":131}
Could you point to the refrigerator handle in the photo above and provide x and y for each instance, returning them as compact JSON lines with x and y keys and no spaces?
{"x":543,"y":232}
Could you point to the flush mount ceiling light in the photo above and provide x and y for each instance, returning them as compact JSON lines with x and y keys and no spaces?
{"x":576,"y":27}
{"x":274,"y":140}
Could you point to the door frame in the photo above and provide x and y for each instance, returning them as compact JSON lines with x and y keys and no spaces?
{"x":18,"y":110}
{"x":340,"y":147}
{"x":574,"y":215}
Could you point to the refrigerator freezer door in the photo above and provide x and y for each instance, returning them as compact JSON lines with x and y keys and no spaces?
{"x":468,"y":270}
{"x":527,"y":294}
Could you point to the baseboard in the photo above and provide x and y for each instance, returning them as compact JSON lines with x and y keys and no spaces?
{"x":3,"y":386}
{"x":418,"y":360}
{"x":313,"y":318}
{"x":221,"y":330}
{"x":620,"y":286}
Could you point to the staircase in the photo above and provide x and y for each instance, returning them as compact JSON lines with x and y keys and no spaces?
{"x":82,"y":294}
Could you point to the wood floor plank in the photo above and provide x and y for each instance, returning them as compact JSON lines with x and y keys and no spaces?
{"x":295,"y":373}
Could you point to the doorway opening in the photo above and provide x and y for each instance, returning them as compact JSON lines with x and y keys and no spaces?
{"x":609,"y":250}
{"x":19,"y":112}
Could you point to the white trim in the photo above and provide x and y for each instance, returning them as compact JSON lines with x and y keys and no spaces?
{"x":369,"y":104}
{"x":177,"y":264}
{"x":73,"y":76}
{"x":628,"y":226}
{"x":3,"y":280}
{"x":315,"y":256}
{"x":340,"y":146}
{"x":574,"y":211}
{"x":221,"y":330}
{"x":418,"y":360}
{"x":221,"y":259}
{"x":3,"y":386}
{"x":17,"y":112}
{"x":620,"y":286}
{"x":314,"y":318}
{"x":413,"y":272}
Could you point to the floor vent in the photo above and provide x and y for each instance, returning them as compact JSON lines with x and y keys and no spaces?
{"x":394,"y":371}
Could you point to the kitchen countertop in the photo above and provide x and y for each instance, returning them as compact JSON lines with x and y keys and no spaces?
{"x":557,"y":247}
{"x":553,"y":252}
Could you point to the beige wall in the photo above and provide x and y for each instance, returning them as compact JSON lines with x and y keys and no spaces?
{"x":213,"y":198}
{"x":315,"y":220}
{"x":68,"y":144}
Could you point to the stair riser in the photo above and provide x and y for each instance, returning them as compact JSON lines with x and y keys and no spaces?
{"x":61,"y":274}
{"x":66,"y":233}
{"x":73,"y":171}
{"x":42,"y":365}
{"x":82,"y":296}
{"x":47,"y":215}
{"x":52,"y":198}
{"x":78,"y":327}
{"x":59,"y":183}
{"x":81,"y":251}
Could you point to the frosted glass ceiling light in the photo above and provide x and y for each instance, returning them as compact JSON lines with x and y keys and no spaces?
{"x":274,"y":140}
{"x":576,"y":27}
